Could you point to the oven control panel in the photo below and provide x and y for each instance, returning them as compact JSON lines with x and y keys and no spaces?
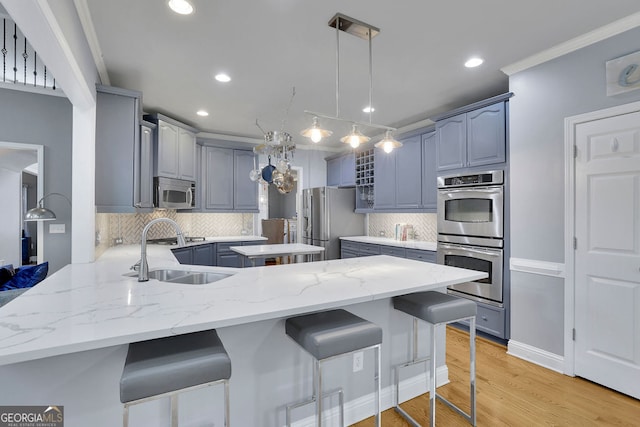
{"x":484,"y":178}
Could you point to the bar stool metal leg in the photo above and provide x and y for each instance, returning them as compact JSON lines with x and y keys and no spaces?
{"x":377,"y":382}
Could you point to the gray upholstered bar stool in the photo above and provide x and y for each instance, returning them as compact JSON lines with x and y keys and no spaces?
{"x":437,"y":309}
{"x":331,"y":334}
{"x":165,"y":367}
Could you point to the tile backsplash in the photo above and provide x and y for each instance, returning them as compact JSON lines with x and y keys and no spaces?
{"x":128,"y":227}
{"x":424,"y":225}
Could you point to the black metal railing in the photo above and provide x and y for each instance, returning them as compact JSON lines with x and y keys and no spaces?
{"x":20,"y":62}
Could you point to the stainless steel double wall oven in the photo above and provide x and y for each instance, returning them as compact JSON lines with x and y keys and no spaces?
{"x":471,"y":224}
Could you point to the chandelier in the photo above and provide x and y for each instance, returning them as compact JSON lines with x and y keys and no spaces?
{"x":364,"y":31}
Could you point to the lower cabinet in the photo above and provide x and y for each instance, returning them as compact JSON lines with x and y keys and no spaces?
{"x":351,"y":249}
{"x":214,"y":254}
{"x":490,"y":320}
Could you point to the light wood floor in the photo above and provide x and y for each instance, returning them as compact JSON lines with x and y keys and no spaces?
{"x":513,"y":392}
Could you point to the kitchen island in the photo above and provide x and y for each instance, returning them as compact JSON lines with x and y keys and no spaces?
{"x":64,"y":341}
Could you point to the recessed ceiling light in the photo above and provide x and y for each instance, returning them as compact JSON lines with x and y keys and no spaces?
{"x":183,"y":7}
{"x":202,"y":113}
{"x":473,"y":62}
{"x":222,"y":77}
{"x":368,"y":110}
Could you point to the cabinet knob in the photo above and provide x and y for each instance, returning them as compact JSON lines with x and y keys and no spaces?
{"x":484,"y":318}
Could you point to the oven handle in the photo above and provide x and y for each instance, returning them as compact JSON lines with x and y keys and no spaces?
{"x":476,"y":250}
{"x":488,"y":190}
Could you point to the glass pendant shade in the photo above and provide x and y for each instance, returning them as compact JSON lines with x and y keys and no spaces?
{"x":388,"y":143}
{"x":315,"y":132}
{"x":355,"y":138}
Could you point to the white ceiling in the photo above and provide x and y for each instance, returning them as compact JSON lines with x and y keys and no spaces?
{"x":270,"y":46}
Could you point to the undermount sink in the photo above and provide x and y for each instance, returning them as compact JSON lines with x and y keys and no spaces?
{"x":186,"y":277}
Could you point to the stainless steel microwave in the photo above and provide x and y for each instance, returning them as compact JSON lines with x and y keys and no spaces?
{"x":169,"y":193}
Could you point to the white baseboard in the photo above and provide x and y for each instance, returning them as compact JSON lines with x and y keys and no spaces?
{"x":363,"y":407}
{"x":535,"y":355}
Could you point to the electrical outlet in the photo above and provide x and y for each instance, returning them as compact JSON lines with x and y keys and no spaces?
{"x":117,"y":241}
{"x":358,"y":361}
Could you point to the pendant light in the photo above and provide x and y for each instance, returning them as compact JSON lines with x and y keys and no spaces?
{"x":315,"y":132}
{"x":343,"y":23}
{"x":355,"y":137}
{"x":388,"y":143}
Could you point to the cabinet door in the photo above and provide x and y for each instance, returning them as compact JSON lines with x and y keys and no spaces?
{"x":451,"y":143}
{"x":228,"y":260}
{"x":218,"y":179}
{"x":333,"y":172}
{"x":408,"y":178}
{"x":116,"y":136}
{"x":167,"y":165}
{"x":145,"y":180}
{"x":186,"y":155}
{"x":203,"y":254}
{"x":385,"y":184}
{"x":183,"y":255}
{"x":486,"y":141}
{"x":429,"y":173}
{"x":348,"y":170}
{"x":245,"y":191}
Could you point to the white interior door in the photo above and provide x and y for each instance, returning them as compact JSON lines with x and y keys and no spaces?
{"x":607,"y":262}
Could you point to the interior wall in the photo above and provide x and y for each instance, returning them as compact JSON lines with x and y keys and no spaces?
{"x":41,"y":119}
{"x":543,"y":97}
{"x":10,"y":231}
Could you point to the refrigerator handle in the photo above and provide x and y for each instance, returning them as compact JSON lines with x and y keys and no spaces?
{"x":309,"y":213}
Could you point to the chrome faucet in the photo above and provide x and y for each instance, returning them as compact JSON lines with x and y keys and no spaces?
{"x":143,"y":267}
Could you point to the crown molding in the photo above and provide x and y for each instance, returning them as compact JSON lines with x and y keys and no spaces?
{"x":597,"y":35}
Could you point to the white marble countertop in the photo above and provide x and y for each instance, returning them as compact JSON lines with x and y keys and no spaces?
{"x":409,"y":244}
{"x":259,"y":251}
{"x":89,"y":306}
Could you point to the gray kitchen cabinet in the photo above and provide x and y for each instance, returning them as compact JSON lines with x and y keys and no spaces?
{"x":214,"y":254}
{"x":175,"y":146}
{"x":225,"y":185}
{"x":123,"y":181}
{"x":401,"y":174}
{"x":225,"y":257}
{"x":486,"y":135}
{"x":385,"y":185}
{"x":351,"y":249}
{"x":472,"y":138}
{"x":217,"y":183}
{"x":245,"y":191}
{"x":186,"y":154}
{"x":393,"y":251}
{"x":421,"y":255}
{"x":341,"y":170}
{"x":408,"y":173}
{"x":183,"y":255}
{"x":167,"y":146}
{"x":429,"y":173}
{"x":204,"y":254}
{"x":333,"y":172}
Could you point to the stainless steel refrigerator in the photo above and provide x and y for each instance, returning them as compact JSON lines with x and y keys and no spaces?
{"x":328,"y":214}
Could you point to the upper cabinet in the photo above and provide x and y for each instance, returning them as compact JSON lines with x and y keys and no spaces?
{"x":475,"y":136}
{"x":175,"y":146}
{"x":405,"y":179}
{"x":124,"y":152}
{"x":341,"y":170}
{"x":225,"y":185}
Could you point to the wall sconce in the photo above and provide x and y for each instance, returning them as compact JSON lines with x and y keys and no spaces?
{"x":41,"y":213}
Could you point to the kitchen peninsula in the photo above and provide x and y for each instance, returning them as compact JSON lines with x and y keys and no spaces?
{"x":65,"y":340}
